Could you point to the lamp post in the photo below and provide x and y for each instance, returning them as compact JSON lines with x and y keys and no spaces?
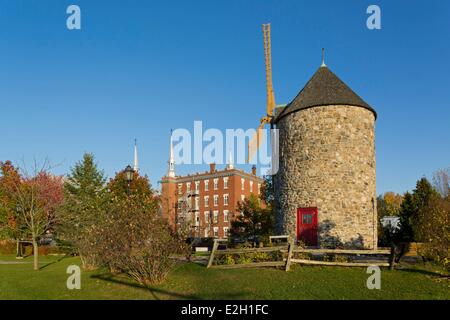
{"x":129,"y":173}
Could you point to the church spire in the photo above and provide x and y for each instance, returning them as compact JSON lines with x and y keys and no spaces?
{"x":230,"y":161}
{"x":136,"y":162}
{"x":171,"y":172}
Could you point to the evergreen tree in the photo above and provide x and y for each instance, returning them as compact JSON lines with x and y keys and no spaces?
{"x":413,"y":205}
{"x":423,"y":193}
{"x":85,"y":201}
{"x":407,"y":214}
{"x":85,"y":180}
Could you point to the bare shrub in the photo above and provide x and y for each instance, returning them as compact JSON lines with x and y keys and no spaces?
{"x":137,"y":242}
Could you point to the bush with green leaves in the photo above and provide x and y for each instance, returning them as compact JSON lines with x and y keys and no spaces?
{"x":433,"y":229}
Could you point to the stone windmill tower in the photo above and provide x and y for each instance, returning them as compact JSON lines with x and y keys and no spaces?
{"x":325,"y":185}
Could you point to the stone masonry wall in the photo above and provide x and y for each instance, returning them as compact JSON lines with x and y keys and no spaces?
{"x":327,"y":160}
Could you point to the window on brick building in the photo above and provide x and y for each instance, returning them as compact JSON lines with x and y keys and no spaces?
{"x":259,"y":188}
{"x":216,"y":184}
{"x":197,"y":186}
{"x":197,"y":219}
{"x":216,"y":200}
{"x":215,"y":216}
{"x":225,"y":232}
{"x":180,"y":188}
{"x":216,"y":232}
{"x":206,"y":185}
{"x":206,"y":235}
{"x":197,"y":203}
{"x":206,"y":201}
{"x":188,"y":186}
{"x":225,"y":199}
{"x":251,"y":186}
{"x":206,"y":215}
{"x":242,"y":197}
{"x":225,"y":215}
{"x":225,"y":182}
{"x":242,"y":183}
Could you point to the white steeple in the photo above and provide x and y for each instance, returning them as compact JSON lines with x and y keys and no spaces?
{"x":230,"y":161}
{"x":171,"y":172}
{"x":136,"y":163}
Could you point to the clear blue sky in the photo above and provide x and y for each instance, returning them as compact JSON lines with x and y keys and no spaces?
{"x":140,"y":68}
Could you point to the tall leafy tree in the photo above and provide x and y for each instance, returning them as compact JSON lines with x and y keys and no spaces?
{"x":388,"y":204}
{"x":433,"y":229}
{"x":9,"y":178}
{"x":253,"y":220}
{"x":139,"y":188}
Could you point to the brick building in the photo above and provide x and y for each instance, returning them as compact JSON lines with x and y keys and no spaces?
{"x":206,"y":203}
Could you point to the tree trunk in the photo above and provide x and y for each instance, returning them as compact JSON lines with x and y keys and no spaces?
{"x":18,"y":253}
{"x":35,"y":255}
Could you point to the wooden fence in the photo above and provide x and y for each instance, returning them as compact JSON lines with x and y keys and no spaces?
{"x":289,"y":250}
{"x":283,"y":263}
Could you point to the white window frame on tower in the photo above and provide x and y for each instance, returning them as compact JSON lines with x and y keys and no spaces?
{"x":188,"y":186}
{"x":259,"y":188}
{"x":206,"y":216}
{"x":242,"y":184}
{"x":206,"y":185}
{"x":251,"y":186}
{"x":216,"y":232}
{"x":180,"y":188}
{"x":242,"y":197}
{"x":225,"y":199}
{"x":215,"y":216}
{"x":225,"y":215}
{"x":216,"y":200}
{"x":216,"y":183}
{"x":225,"y":182}
{"x":206,"y":201}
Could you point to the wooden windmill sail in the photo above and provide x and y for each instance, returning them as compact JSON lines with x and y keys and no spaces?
{"x":256,"y":140}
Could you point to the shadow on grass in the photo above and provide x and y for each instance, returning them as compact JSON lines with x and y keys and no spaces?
{"x":53,"y":262}
{"x":425,"y":272}
{"x":154,"y":290}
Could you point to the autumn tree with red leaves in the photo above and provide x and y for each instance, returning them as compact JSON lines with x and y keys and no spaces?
{"x":9,"y":178}
{"x":31,"y":201}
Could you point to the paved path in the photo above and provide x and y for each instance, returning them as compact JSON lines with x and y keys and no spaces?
{"x":17,"y":262}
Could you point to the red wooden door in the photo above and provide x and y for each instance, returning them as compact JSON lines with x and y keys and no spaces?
{"x":307,"y":226}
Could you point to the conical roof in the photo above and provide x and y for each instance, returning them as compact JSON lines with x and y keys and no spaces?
{"x":323,"y":89}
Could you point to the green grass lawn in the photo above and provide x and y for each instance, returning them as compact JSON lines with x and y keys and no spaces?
{"x":192,"y":281}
